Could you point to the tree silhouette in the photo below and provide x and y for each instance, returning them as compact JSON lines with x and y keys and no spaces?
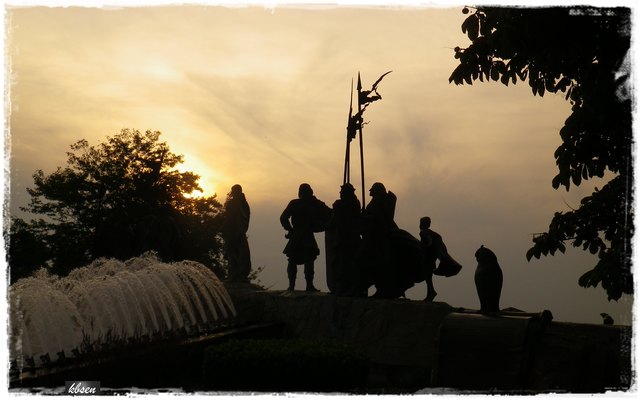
{"x":582,"y":53}
{"x":119,"y":199}
{"x":27,"y":249}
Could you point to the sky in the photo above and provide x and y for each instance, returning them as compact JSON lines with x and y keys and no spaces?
{"x":259,"y":96}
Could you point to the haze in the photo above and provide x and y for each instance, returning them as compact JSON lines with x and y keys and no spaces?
{"x":260,"y":97}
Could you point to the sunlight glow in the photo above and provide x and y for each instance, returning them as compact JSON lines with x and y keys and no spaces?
{"x":259,"y":97}
{"x":208,"y":176}
{"x":162,"y":71}
{"x":196,"y":194}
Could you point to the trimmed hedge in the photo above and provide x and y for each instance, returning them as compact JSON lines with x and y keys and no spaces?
{"x":281,"y":365}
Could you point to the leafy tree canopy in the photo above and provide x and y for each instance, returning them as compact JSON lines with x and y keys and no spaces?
{"x":582,"y":53}
{"x":118,"y":199}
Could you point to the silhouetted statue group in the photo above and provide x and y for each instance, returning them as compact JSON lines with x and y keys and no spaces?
{"x":364,"y":247}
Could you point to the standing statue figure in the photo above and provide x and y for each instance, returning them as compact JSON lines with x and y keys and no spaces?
{"x":234,"y":234}
{"x":375,"y":258}
{"x":302,"y":217}
{"x":430,"y":242}
{"x":488,"y":280}
{"x":342,"y":240}
{"x":433,"y":249}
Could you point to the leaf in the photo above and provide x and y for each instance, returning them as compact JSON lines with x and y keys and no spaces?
{"x":597,"y":138}
{"x":585,"y":171}
{"x":470,"y":27}
{"x":541,"y":87}
{"x":563,"y":83}
{"x":465,"y":24}
{"x":495,"y":73}
{"x":576,"y":178}
{"x":456,"y":75}
{"x":562,"y":247}
{"x":586,"y":279}
{"x":529,"y":254}
{"x":549,"y":84}
{"x":522,"y":73}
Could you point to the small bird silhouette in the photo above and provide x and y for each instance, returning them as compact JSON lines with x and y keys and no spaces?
{"x":606,"y":319}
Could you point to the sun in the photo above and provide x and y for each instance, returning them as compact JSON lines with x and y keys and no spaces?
{"x":196,"y":194}
{"x":208,"y":177}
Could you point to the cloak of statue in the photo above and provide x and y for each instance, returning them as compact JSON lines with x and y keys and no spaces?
{"x":390,"y":257}
{"x":234,"y":233}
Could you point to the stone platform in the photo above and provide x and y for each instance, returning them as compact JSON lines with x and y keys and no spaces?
{"x":415,"y":344}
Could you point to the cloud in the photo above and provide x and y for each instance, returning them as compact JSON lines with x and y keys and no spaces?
{"x":260,"y":97}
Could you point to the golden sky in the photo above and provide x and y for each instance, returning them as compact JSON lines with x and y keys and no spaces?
{"x":259,"y":96}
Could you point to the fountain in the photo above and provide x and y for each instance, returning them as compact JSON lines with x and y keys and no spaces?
{"x":111,"y":303}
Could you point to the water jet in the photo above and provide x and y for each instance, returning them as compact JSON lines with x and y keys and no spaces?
{"x":109,"y":305}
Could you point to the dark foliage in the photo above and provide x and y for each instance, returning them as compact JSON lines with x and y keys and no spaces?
{"x":580,"y":52}
{"x":118,"y":199}
{"x":26,"y":248}
{"x":277,"y":365}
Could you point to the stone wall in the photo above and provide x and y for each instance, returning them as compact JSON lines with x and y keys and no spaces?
{"x":397,"y":336}
{"x":401,"y":340}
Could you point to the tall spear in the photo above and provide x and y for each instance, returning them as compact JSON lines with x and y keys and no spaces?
{"x":361,"y":143}
{"x":350,"y":136}
{"x":365,"y":97}
{"x":354,"y":127}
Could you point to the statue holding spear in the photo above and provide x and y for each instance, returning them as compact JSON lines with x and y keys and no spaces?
{"x":354,"y":126}
{"x":342,"y":236}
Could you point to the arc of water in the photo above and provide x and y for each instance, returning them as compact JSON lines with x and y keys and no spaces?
{"x":130,"y":304}
{"x":48,"y":320}
{"x":221,"y":291}
{"x":113,"y":295}
{"x":63,"y":314}
{"x":20,"y":345}
{"x":214,"y":295}
{"x":174,"y":280}
{"x":108,"y":320}
{"x":149,"y":316}
{"x":32,"y":324}
{"x":168,"y":274}
{"x":159,"y":296}
{"x":224,"y":295}
{"x":202,"y":292}
{"x":109,"y":297}
{"x":193,"y":297}
{"x":134,"y":302}
{"x":216,"y":290}
{"x":88,"y":309}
